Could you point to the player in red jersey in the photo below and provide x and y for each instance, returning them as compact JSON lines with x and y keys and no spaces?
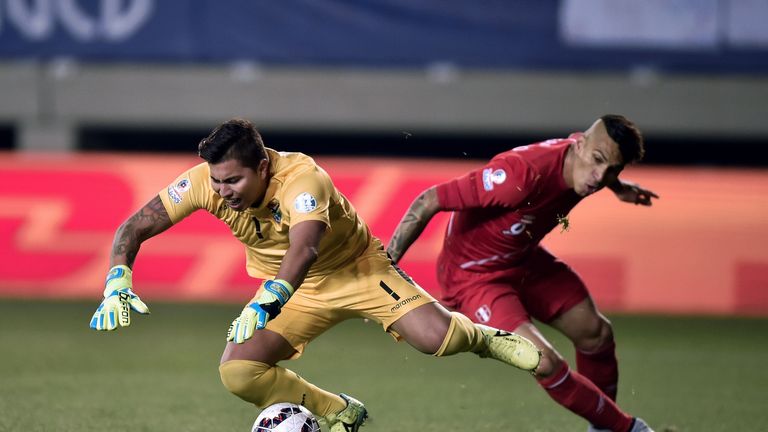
{"x":493,"y":269}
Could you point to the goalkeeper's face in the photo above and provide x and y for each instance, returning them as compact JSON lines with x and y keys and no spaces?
{"x":240,"y":186}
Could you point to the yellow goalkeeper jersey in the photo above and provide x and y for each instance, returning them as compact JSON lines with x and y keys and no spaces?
{"x":298,"y":190}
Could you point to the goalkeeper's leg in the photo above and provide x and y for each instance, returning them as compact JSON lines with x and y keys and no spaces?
{"x":248,"y":370}
{"x":264,"y":385}
{"x":432,"y":329}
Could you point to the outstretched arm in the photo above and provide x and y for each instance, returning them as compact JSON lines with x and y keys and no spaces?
{"x":119,"y":298}
{"x":632,"y":192}
{"x":149,"y":221}
{"x":423,"y":208}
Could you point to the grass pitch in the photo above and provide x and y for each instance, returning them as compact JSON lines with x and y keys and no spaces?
{"x":160,"y":374}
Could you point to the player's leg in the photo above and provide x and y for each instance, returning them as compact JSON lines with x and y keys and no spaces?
{"x":250,"y":370}
{"x":554,"y":294}
{"x":592,"y":337}
{"x":431,"y":329}
{"x":571,"y":389}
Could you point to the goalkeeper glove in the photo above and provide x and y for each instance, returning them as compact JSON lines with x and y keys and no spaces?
{"x":265,"y":306}
{"x":118,"y":301}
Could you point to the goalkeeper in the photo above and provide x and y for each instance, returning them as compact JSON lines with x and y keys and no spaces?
{"x":320,"y":263}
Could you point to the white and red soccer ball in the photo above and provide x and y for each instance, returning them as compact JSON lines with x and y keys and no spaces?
{"x":285,"y":417}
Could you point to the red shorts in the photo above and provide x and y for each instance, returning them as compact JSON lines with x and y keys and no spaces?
{"x":543,"y":287}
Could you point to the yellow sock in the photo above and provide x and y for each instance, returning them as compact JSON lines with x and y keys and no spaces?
{"x":462,"y":336}
{"x":264,"y":385}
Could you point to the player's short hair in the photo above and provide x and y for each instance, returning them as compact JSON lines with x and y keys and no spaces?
{"x":626,"y":135}
{"x":234,"y":139}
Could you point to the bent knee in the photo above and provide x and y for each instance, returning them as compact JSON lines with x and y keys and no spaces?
{"x":550,"y":363}
{"x":596,"y":336}
{"x":240,"y":377}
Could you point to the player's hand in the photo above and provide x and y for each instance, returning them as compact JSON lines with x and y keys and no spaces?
{"x":633,"y":193}
{"x":118,"y":301}
{"x":265,"y":306}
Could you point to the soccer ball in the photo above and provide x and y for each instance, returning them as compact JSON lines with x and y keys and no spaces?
{"x":286,"y":417}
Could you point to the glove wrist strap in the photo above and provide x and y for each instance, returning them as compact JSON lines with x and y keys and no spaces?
{"x":116,"y":278}
{"x":286,"y":284}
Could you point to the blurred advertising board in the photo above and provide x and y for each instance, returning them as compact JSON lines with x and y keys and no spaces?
{"x":699,"y":250}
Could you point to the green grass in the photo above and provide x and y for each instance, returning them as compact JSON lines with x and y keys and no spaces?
{"x":160,"y":374}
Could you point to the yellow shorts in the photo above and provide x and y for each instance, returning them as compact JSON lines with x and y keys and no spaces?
{"x":370,"y":287}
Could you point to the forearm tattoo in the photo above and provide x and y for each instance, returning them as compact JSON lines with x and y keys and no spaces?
{"x":150,"y":220}
{"x":411,"y":226}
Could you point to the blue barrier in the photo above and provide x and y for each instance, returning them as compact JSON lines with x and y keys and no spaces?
{"x":681,"y":35}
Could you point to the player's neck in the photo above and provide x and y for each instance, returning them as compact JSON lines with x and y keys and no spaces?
{"x":568,"y":160}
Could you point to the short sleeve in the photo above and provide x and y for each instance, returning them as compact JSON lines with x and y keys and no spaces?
{"x":308,"y":196}
{"x":187,"y":193}
{"x":503,"y":182}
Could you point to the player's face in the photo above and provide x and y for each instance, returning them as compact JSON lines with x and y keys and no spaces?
{"x":240,"y":186}
{"x":598,"y":160}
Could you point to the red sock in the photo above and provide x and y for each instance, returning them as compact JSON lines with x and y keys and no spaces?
{"x":575,"y":392}
{"x":601,"y":367}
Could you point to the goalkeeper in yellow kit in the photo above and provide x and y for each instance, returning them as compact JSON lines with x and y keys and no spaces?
{"x":320,"y":263}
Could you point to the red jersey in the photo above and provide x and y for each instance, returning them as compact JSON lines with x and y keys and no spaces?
{"x":504,"y":209}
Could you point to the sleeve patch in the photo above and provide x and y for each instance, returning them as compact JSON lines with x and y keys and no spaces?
{"x":176,"y":190}
{"x":492,"y":177}
{"x":173,"y":195}
{"x":305,"y":202}
{"x":183,"y":185}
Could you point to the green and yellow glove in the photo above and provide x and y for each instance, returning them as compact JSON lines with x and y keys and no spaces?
{"x":265,"y":306}
{"x":118,"y":301}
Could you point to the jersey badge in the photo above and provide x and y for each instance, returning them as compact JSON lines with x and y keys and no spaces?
{"x":305,"y":202}
{"x":274,"y":208}
{"x":183,"y":185}
{"x":493,"y":177}
{"x":483,"y":314}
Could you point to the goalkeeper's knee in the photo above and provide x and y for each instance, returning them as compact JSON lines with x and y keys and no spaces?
{"x":249,"y":380}
{"x":462,"y":336}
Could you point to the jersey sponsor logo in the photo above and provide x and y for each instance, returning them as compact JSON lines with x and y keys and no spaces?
{"x":405,"y":302}
{"x":175,"y":196}
{"x":274,"y":208}
{"x":483,"y":314}
{"x":492,"y":177}
{"x":305,"y":202}
{"x":519,"y":227}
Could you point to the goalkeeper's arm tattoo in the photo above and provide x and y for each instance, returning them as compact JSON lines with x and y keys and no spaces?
{"x":421,"y":211}
{"x":149,"y":221}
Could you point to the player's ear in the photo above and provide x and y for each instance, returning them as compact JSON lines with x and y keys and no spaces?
{"x":581,"y":141}
{"x":263,"y":169}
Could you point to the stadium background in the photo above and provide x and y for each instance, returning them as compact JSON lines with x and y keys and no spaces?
{"x":103,"y":103}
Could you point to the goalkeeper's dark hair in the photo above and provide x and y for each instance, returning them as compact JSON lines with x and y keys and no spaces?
{"x":234,"y":139}
{"x":626,"y":135}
